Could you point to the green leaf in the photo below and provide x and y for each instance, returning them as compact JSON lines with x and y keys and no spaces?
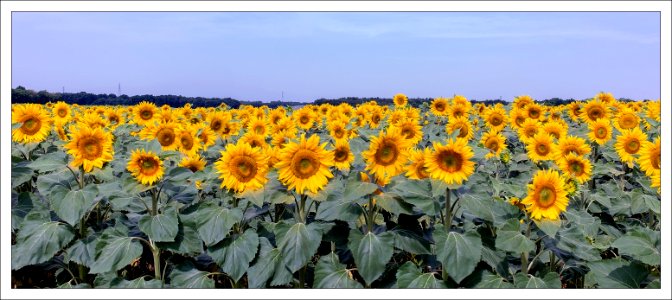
{"x":393,"y":204}
{"x":418,"y":193}
{"x":187,"y":276}
{"x":371,"y":253}
{"x":179,"y":174}
{"x":410,"y":242}
{"x":332,"y":191}
{"x":235,"y":253}
{"x":574,"y":241}
{"x":331,"y":274}
{"x":459,"y":253}
{"x":549,"y":227}
{"x":75,"y":204}
{"x":494,"y":282}
{"x":50,"y":183}
{"x":486,"y":208}
{"x":38,"y":241}
{"x":21,"y":175}
{"x":640,"y":247}
{"x":338,"y":209}
{"x":83,"y":251}
{"x":427,"y":281}
{"x":49,"y":162}
{"x":68,"y":285}
{"x":356,"y":189}
{"x":410,"y":276}
{"x":138,"y":283}
{"x":187,"y":241}
{"x":161,"y":227}
{"x":529,"y":282}
{"x":297,"y":243}
{"x":586,"y":223}
{"x":616,"y":274}
{"x":269,"y":260}
{"x":115,"y":250}
{"x":214,"y":222}
{"x":510,"y":239}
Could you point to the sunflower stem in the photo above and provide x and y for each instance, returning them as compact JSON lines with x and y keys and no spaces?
{"x":82,"y":229}
{"x":155,"y":202}
{"x":369,"y":216}
{"x":302,"y":277}
{"x":302,"y":206}
{"x":524,"y":259}
{"x":156,"y":254}
{"x":449,"y":218}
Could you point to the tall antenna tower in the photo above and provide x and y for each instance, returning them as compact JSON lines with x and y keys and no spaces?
{"x":119,"y":89}
{"x":282,"y":97}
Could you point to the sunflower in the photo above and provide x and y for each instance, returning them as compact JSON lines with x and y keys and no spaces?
{"x":284,"y":125}
{"x":276,"y":115}
{"x":576,"y":166}
{"x":594,"y":110}
{"x":493,"y":141}
{"x":410,"y":130}
{"x":35,"y":123}
{"x":649,"y":157}
{"x":463,"y":125}
{"x":655,"y":180}
{"x":400,"y":100}
{"x":206,"y":136}
{"x":61,"y":113}
{"x":144,"y":113}
{"x":90,"y":147}
{"x":571,"y":144}
{"x":521,"y":102}
{"x":194,"y":163}
{"x":653,"y":110}
{"x":337,"y":130}
{"x":343,"y":157}
{"x":94,"y":120}
{"x":258,"y":126}
{"x":387,"y":154}
{"x":629,"y":143}
{"x":540,"y":147}
{"x":574,"y":111}
{"x":606,"y":98}
{"x":600,"y":131}
{"x":230,"y":129}
{"x":534,"y":111}
{"x":145,"y":166}
{"x":114,"y":118}
{"x":280,"y":139}
{"x":254,"y":140}
{"x":439,"y":107}
{"x":450,"y":163}
{"x":305,"y":118}
{"x":217,"y":121}
{"x":528,"y":130}
{"x":242,"y":168}
{"x":187,"y":140}
{"x":375,"y":117}
{"x":416,"y":169}
{"x":164,"y":133}
{"x":461,"y":100}
{"x":495,"y":118}
{"x":555,"y":129}
{"x":517,"y":117}
{"x":626,"y":119}
{"x":458,"y":111}
{"x":304,"y":166}
{"x":546,"y":195}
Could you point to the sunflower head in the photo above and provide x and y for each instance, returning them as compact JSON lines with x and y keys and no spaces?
{"x":416,"y":169}
{"x":521,"y":102}
{"x":35,"y":123}
{"x":145,"y":113}
{"x":540,"y":147}
{"x":343,"y":157}
{"x":571,"y":144}
{"x":410,"y":130}
{"x":649,"y":157}
{"x":529,"y":128}
{"x":400,"y":100}
{"x":626,"y":119}
{"x":164,"y":133}
{"x":594,"y":110}
{"x":462,"y":125}
{"x":439,"y":107}
{"x":304,"y":166}
{"x":90,"y":147}
{"x":194,"y":163}
{"x":187,"y":140}
{"x":629,"y":143}
{"x":546,"y":195}
{"x":387,"y":154}
{"x":496,"y":118}
{"x":61,"y":112}
{"x":451,"y":162}
{"x":495,"y":142}
{"x":600,"y":131}
{"x":305,"y":118}
{"x":145,"y":166}
{"x":575,"y":166}
{"x":242,"y":167}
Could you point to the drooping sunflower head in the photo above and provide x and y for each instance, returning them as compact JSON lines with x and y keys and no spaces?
{"x":61,"y":113}
{"x":387,"y":154}
{"x":343,"y":157}
{"x":451,"y":162}
{"x":649,"y":157}
{"x":145,"y":166}
{"x":574,"y":111}
{"x":144,"y":113}
{"x":546,"y":195}
{"x":114,"y":118}
{"x":90,"y":147}
{"x":304,"y":166}
{"x":575,"y":166}
{"x":540,"y":147}
{"x":626,"y":119}
{"x":493,"y":141}
{"x":194,"y":163}
{"x":242,"y":167}
{"x":254,"y":140}
{"x":400,"y":100}
{"x":439,"y":106}
{"x":35,"y":123}
{"x":463,"y":125}
{"x":205,"y":136}
{"x":416,"y":169}
{"x":571,"y":144}
{"x":600,"y":131}
{"x":594,"y":110}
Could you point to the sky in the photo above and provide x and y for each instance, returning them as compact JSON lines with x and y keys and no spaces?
{"x":301,"y":56}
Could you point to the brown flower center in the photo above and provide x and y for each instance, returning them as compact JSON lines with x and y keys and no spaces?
{"x":492,"y":143}
{"x":187,"y":141}
{"x":31,"y":126}
{"x":62,"y":112}
{"x":632,"y":146}
{"x":244,"y":168}
{"x":216,"y":125}
{"x":146,"y":114}
{"x":341,"y":155}
{"x":305,"y":164}
{"x":450,"y":161}
{"x":542,"y":149}
{"x":627,"y":121}
{"x":546,"y":197}
{"x":148,"y":166}
{"x":166,"y":137}
{"x":91,"y":148}
{"x":387,"y":153}
{"x":601,"y":132}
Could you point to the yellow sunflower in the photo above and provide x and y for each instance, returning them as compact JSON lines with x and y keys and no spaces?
{"x":90,"y":147}
{"x":517,"y":117}
{"x":164,"y":133}
{"x":217,"y":121}
{"x":187,"y":140}
{"x":304,"y":166}
{"x":546,"y":196}
{"x":305,"y":118}
{"x":594,"y":110}
{"x":450,"y":163}
{"x":145,"y":166}
{"x":439,"y":107}
{"x":534,"y":111}
{"x":343,"y":157}
{"x":495,"y":118}
{"x":571,"y":144}
{"x":387,"y":154}
{"x":649,"y":157}
{"x":416,"y":169}
{"x":254,"y":140}
{"x":144,"y":113}
{"x":521,"y":102}
{"x":600,"y":131}
{"x":114,"y":118}
{"x":458,"y":111}
{"x":258,"y":126}
{"x":626,"y":119}
{"x":375,"y":117}
{"x":493,"y":141}
{"x":555,"y":129}
{"x":61,"y":113}
{"x":206,"y":136}
{"x":540,"y":147}
{"x":574,"y":111}
{"x":400,"y":100}
{"x":242,"y":168}
{"x":629,"y":143}
{"x":230,"y":129}
{"x":35,"y":123}
{"x":528,"y":130}
{"x":463,"y":125}
{"x":410,"y":130}
{"x":653,"y":110}
{"x":575,"y":166}
{"x":337,"y":130}
{"x":194,"y":163}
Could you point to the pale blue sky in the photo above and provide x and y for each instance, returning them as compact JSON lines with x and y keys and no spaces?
{"x":257,"y":56}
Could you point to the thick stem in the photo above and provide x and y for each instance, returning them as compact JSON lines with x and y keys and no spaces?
{"x":524,"y":259}
{"x":369,"y":216}
{"x":552,"y":261}
{"x":156,"y":253}
{"x":82,"y":229}
{"x":302,"y":277}
{"x":302,"y":207}
{"x":155,"y":202}
{"x":449,"y":218}
{"x":594,"y":158}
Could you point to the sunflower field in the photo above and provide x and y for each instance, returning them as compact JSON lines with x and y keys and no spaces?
{"x":450,"y":194}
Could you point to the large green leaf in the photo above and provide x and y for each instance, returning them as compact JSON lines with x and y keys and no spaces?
{"x":483,"y":206}
{"x":410,"y":242}
{"x":494,"y":282}
{"x":585,"y":222}
{"x":355,"y":189}
{"x":418,"y":193}
{"x":270,"y":260}
{"x":640,"y":246}
{"x":83,"y":251}
{"x":272,"y":192}
{"x":21,"y":175}
{"x":186,"y":242}
{"x":550,"y":281}
{"x":574,"y":241}
{"x":161,"y":227}
{"x":549,"y":227}
{"x":38,"y":240}
{"x":214,"y":222}
{"x":510,"y":239}
{"x":61,"y":181}
{"x":49,"y":162}
{"x":115,"y":250}
{"x":297,"y":243}
{"x":371,"y":253}
{"x":616,"y":274}
{"x":75,"y":204}
{"x":410,"y":276}
{"x":459,"y":253}
{"x":338,"y":209}
{"x":235,"y":253}
{"x":331,"y":274}
{"x":186,"y":276}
